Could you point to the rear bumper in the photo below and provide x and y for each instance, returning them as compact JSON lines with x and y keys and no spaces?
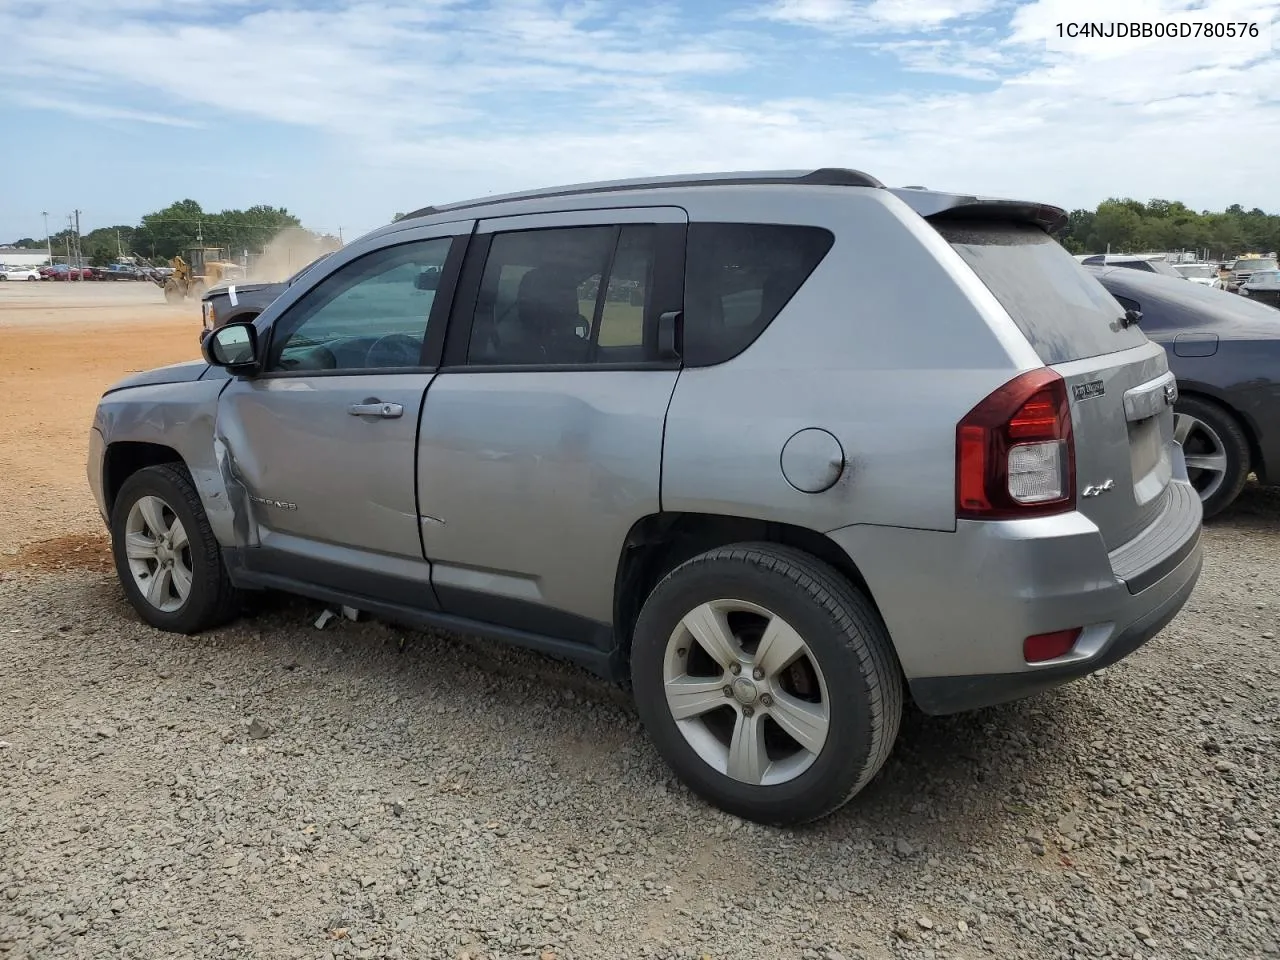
{"x":941,"y":695}
{"x":959,"y":605}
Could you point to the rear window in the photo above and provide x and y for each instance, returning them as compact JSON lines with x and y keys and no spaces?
{"x":1060,"y":308}
{"x":738,"y":277}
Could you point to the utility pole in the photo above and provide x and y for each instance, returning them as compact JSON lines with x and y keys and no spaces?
{"x":48,"y":241}
{"x":79,"y":252}
{"x":119,"y":247}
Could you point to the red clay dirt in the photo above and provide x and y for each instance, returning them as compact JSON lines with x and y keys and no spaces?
{"x":61,"y":346}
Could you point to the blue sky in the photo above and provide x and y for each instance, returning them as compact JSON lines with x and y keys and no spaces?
{"x":346,"y":111}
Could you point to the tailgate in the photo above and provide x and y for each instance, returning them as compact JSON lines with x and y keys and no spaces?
{"x":1122,"y":419}
{"x":1118,"y":381}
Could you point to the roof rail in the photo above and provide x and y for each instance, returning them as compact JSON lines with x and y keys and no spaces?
{"x":823,"y":177}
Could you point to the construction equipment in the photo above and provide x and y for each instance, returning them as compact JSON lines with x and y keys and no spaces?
{"x":208,"y":265}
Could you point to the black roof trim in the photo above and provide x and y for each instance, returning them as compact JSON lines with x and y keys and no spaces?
{"x":823,"y":177}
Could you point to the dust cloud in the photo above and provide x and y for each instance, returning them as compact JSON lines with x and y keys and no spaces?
{"x":288,"y":252}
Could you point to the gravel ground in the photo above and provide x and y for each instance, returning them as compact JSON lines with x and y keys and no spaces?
{"x":273,"y":790}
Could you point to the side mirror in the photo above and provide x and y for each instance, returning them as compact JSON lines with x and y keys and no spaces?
{"x":234,"y":346}
{"x":428,"y":279}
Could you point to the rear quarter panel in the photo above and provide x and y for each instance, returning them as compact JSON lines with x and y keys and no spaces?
{"x":887,"y":367}
{"x":1244,"y":375}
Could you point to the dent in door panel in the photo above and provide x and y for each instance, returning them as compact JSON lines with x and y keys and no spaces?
{"x":537,"y":477}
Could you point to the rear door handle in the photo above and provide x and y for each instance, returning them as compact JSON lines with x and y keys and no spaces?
{"x":376,"y":408}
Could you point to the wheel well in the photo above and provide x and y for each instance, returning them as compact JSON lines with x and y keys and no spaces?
{"x":1256,"y":463}
{"x":126,"y":458}
{"x":660,"y":542}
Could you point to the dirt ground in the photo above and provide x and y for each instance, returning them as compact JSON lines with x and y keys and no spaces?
{"x":274,"y":790}
{"x":61,"y":346}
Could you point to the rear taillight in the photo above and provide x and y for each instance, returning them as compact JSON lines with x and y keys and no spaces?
{"x":1015,"y":456}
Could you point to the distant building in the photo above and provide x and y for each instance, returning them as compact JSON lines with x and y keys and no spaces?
{"x":19,"y":257}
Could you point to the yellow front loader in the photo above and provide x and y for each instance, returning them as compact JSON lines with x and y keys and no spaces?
{"x":208,"y":266}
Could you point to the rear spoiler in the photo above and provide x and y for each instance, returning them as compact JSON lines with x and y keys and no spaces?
{"x":935,"y":206}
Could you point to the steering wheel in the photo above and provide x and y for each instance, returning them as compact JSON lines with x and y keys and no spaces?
{"x":394,"y":350}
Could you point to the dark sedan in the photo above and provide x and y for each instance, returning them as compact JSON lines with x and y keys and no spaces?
{"x":227,"y":302}
{"x":1225,"y":351}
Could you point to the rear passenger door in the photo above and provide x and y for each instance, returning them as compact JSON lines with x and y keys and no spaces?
{"x":541,"y":436}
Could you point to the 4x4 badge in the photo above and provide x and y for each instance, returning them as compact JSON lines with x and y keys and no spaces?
{"x":1097,"y":489}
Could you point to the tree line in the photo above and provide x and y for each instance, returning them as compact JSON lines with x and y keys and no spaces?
{"x":1128,"y":226}
{"x":1131,"y":226}
{"x":175,"y":230}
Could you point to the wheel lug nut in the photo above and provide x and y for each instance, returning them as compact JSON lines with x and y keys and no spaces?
{"x":681,"y":652}
{"x":767,"y":700}
{"x":728,"y":691}
{"x":735,"y":669}
{"x":758,"y":673}
{"x":747,"y":711}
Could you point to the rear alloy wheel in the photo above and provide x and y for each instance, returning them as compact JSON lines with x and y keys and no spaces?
{"x":1216,"y":450}
{"x":167,"y":558}
{"x":766,"y":681}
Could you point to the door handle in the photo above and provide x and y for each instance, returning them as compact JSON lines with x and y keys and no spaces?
{"x":376,"y":408}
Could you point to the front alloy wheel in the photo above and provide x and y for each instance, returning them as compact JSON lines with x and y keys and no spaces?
{"x":159,"y":553}
{"x":167,"y":558}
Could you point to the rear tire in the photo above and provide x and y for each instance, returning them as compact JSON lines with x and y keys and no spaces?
{"x":1216,"y":450}
{"x":800,"y":732}
{"x":167,"y":558}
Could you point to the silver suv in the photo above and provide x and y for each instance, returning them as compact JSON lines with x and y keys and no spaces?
{"x":776,"y":449}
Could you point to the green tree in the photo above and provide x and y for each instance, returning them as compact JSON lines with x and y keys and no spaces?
{"x":171,"y":231}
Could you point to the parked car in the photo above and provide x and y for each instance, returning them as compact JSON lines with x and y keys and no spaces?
{"x":1204,"y":274}
{"x":1225,"y":351}
{"x":19,"y":273}
{"x":1245,"y":267}
{"x":1146,"y":263}
{"x":60,"y":271}
{"x":1263,"y":286}
{"x":120,"y":271}
{"x":234,"y":302}
{"x":768,"y":490}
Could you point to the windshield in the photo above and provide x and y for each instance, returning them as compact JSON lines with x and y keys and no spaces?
{"x":1200,"y":271}
{"x":1163,"y":267}
{"x":1253,"y":265}
{"x":1059,"y":305}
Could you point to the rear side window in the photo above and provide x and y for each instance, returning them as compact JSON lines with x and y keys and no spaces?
{"x":1062,"y":310}
{"x":738,"y":277}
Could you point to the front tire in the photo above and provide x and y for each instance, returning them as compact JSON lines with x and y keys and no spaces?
{"x":166,"y":556}
{"x":767,"y":682}
{"x":1216,"y":450}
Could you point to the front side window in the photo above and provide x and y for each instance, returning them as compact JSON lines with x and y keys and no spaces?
{"x":544,"y":297}
{"x":369,"y":314}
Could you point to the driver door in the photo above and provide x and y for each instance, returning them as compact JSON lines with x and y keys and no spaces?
{"x":322,"y":442}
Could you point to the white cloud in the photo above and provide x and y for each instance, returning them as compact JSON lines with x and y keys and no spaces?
{"x":869,"y":16}
{"x":98,"y":111}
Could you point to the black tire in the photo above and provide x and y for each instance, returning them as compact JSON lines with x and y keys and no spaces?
{"x":212,"y":600}
{"x":1234,"y":443}
{"x":846,"y":638}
